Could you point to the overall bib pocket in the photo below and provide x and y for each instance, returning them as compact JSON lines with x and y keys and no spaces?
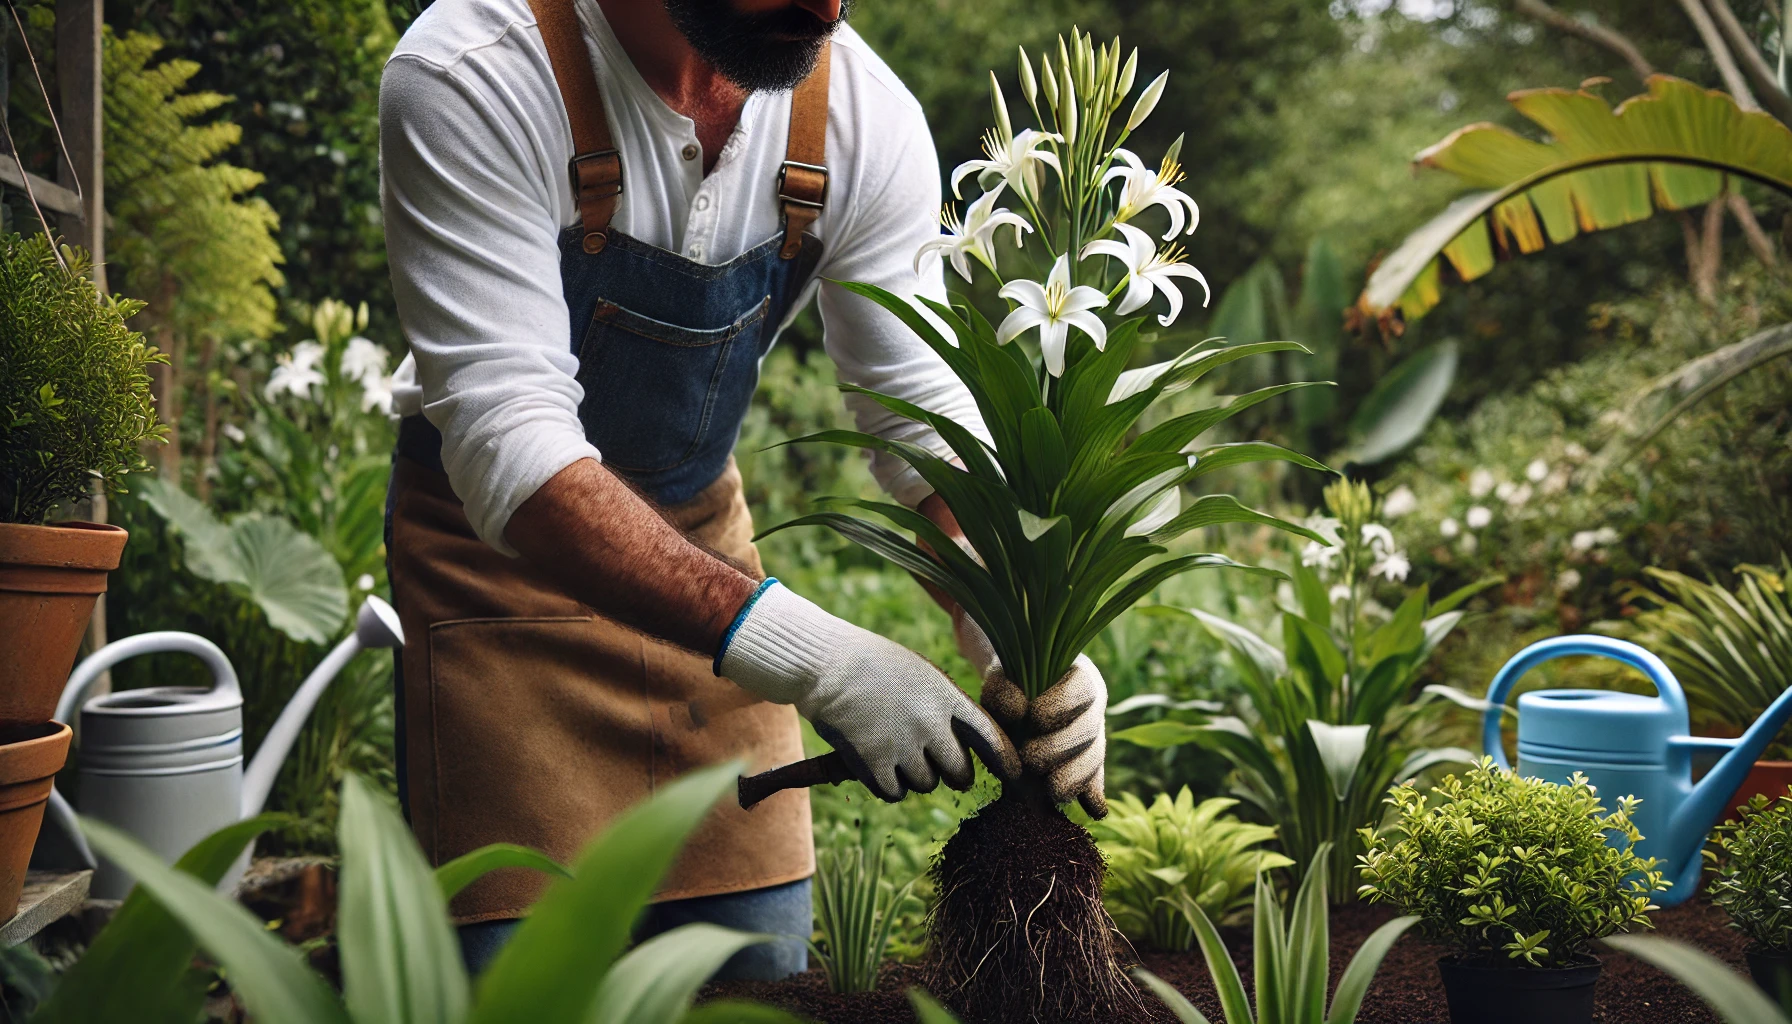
{"x":652,"y":389}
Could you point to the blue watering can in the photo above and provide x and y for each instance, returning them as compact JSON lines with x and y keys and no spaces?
{"x":1626,"y":744}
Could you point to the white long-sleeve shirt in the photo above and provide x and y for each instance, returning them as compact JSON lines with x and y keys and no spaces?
{"x":474,"y":146}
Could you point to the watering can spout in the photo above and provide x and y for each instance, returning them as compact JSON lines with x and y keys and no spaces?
{"x":375,"y":626}
{"x":1709,"y":800}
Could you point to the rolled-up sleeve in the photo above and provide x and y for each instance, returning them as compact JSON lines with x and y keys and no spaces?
{"x":471,"y":240}
{"x":895,"y":210}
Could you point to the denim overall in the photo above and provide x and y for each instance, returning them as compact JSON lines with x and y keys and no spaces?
{"x":521,"y":715}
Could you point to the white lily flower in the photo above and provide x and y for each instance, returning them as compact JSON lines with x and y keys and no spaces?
{"x":1392,"y":566}
{"x":1016,"y":161}
{"x":972,"y":236}
{"x":296,"y":371}
{"x":376,"y":393}
{"x":1143,"y":188}
{"x":1379,"y":538}
{"x":363,"y":359}
{"x":1054,"y":308}
{"x":1148,"y":271}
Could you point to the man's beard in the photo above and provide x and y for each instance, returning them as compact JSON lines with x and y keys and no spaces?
{"x":771,"y":51}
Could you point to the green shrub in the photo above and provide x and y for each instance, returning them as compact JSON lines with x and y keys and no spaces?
{"x":1754,"y":871}
{"x":1178,"y":847}
{"x":1496,"y":863}
{"x":74,"y":396}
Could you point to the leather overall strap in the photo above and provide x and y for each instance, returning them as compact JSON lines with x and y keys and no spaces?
{"x":803,"y":181}
{"x":596,"y":166}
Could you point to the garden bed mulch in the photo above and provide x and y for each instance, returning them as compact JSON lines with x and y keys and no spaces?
{"x":1406,"y":989}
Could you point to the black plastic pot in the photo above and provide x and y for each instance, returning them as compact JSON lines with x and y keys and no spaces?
{"x":1479,"y":994}
{"x":1772,"y":970}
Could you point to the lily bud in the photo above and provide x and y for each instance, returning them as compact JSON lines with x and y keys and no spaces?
{"x":1067,"y":117}
{"x":1049,"y":82}
{"x":1147,"y":101}
{"x":1029,"y":89}
{"x":1000,"y":103}
{"x":1174,"y":153}
{"x":1127,"y":73}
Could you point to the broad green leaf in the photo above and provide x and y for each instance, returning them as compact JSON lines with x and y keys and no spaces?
{"x":1341,"y":749}
{"x":1456,"y":597}
{"x":1347,"y":1001}
{"x":1601,"y":168}
{"x":1310,"y":591}
{"x":1044,"y":459}
{"x":468,"y":868}
{"x":552,"y":968}
{"x":655,"y":982}
{"x":1253,"y":655}
{"x":928,"y":1010}
{"x":400,"y":959}
{"x":1735,"y":999}
{"x":1309,"y":942}
{"x":1401,"y":404}
{"x":1311,"y":649}
{"x":1159,"y":734}
{"x":1032,"y":527}
{"x":270,"y":977}
{"x":1400,"y":634}
{"x":135,"y":969}
{"x":1220,"y":509}
{"x":1162,"y":700}
{"x":210,"y":553}
{"x":1235,"y":1006}
{"x":1179,"y":1005}
{"x":1176,"y":433}
{"x":1240,"y":453}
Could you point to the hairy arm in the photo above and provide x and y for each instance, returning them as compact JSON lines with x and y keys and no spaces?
{"x":606,"y":546}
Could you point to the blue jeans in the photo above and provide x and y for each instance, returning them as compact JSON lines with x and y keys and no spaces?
{"x":782,"y":910}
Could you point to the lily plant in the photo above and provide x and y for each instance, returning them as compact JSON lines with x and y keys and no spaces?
{"x":1072,"y":509}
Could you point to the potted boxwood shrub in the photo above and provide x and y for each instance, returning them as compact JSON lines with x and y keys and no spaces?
{"x":75,"y":409}
{"x":1753,"y":884}
{"x":1519,"y":875}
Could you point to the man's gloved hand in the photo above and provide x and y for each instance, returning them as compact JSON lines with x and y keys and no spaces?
{"x":1068,"y":722}
{"x":900,"y":723}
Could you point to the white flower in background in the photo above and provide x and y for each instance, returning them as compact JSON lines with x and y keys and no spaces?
{"x":365,"y":582}
{"x":1605,"y":535}
{"x":1449,"y":528}
{"x":1400,"y":502}
{"x":1569,"y":580}
{"x":1327,"y":527}
{"x":1504,"y":490}
{"x":1557,"y":482}
{"x":376,"y":393}
{"x":1574,"y":450}
{"x":1148,"y":271}
{"x":1480,"y":482}
{"x":1379,"y":538}
{"x":1468,"y":543}
{"x":1517,"y":496}
{"x":1339,"y":592}
{"x":1392,"y":566}
{"x":296,"y":372}
{"x":1143,"y":188}
{"x":363,"y":359}
{"x":1478,"y":516}
{"x":1536,"y":471}
{"x":1318,"y":556}
{"x":1054,"y":308}
{"x":1015,"y":161}
{"x":973,"y":236}
{"x":235,"y":433}
{"x":1583,"y":540}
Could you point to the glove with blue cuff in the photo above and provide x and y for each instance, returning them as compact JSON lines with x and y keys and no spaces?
{"x":899,"y":722}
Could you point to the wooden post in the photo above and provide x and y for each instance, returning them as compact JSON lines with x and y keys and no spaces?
{"x":82,"y":116}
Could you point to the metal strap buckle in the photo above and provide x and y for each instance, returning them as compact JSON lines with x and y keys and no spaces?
{"x":785,"y":196}
{"x":604,"y":189}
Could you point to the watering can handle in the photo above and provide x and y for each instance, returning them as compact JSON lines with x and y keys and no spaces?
{"x":163,"y":642}
{"x":1563,"y":647}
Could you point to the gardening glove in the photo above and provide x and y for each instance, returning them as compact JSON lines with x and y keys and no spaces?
{"x":898,"y":721}
{"x":1068,"y":722}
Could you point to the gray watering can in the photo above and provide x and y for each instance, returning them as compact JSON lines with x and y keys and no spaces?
{"x":165,"y":763}
{"x":1628,"y":744}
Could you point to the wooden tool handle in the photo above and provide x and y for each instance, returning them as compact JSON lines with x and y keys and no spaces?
{"x":827,"y":770}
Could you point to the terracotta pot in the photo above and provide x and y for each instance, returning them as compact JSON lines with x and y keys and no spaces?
{"x":1769,"y":778}
{"x":29,"y":761}
{"x":50,"y":577}
{"x":1478,"y":994}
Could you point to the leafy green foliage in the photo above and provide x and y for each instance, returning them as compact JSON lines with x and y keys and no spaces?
{"x":1753,"y":877}
{"x":74,"y":392}
{"x":1499,"y":864}
{"x":854,"y":912}
{"x":1730,"y":649}
{"x":1293,"y":959}
{"x":1736,"y":999}
{"x":400,"y":961}
{"x":1178,"y":847}
{"x":1326,"y":721}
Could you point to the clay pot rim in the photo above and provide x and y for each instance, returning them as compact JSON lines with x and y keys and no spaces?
{"x":70,"y":544}
{"x":35,"y":757}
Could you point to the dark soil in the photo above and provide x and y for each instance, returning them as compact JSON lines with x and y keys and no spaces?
{"x":1406,"y":989}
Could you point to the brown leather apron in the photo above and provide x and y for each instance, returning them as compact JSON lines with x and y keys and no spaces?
{"x":528,"y":717}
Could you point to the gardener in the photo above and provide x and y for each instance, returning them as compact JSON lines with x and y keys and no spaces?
{"x":599,"y":214}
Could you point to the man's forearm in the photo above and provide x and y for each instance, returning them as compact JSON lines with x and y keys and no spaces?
{"x":604,"y":545}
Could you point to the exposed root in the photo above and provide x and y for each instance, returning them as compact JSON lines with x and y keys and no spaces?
{"x":1018,"y":934}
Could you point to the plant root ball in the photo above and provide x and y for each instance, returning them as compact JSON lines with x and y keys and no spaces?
{"x":1018,"y":934}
